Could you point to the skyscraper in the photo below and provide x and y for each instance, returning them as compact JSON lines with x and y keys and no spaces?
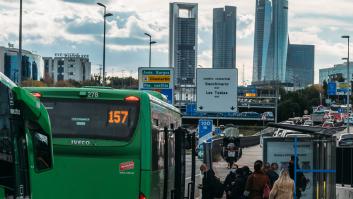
{"x":224,"y":37}
{"x":300,"y":65}
{"x":271,"y":40}
{"x":262,"y":37}
{"x":183,"y":19}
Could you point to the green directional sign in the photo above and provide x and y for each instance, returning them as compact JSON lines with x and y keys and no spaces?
{"x":156,"y":72}
{"x":155,"y":85}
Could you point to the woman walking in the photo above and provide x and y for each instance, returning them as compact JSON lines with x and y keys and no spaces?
{"x":283,"y":187}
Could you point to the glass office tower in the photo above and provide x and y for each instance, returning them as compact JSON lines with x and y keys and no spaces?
{"x":224,"y":37}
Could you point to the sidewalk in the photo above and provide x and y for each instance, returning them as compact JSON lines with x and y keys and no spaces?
{"x":250,"y":155}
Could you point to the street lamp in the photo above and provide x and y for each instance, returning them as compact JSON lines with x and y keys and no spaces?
{"x":348,"y":79}
{"x":151,"y":42}
{"x":105,"y":15}
{"x":20,"y":47}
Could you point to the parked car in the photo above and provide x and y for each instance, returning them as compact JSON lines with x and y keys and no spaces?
{"x":308,"y":123}
{"x":345,"y":140}
{"x":328,"y":124}
{"x":287,"y":122}
{"x":349,"y":120}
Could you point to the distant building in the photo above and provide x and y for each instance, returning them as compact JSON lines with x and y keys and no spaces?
{"x":270,"y":40}
{"x":263,"y":21}
{"x":337,"y":71}
{"x":183,"y":20}
{"x":67,"y":66}
{"x":300,"y":65}
{"x":224,"y":37}
{"x":32,"y":65}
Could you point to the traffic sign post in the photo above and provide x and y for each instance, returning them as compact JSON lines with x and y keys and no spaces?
{"x":205,"y":131}
{"x":217,"y":90}
{"x":158,"y":79}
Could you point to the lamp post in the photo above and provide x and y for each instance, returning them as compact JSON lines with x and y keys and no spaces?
{"x":20,"y":47}
{"x":105,"y":15}
{"x":348,"y":79}
{"x":151,"y":42}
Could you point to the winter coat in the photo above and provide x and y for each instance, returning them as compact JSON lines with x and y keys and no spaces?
{"x":255,"y":184}
{"x":280,"y":192}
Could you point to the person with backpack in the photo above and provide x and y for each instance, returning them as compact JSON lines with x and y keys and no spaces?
{"x":283,"y":188}
{"x":238,"y":188}
{"x":257,"y":184}
{"x":211,"y":185}
{"x":230,"y":179}
{"x":301,"y":181}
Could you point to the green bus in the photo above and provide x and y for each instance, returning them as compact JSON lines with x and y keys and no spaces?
{"x":25,"y":142}
{"x":110,"y":143}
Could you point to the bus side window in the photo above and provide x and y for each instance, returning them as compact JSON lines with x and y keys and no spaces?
{"x":42,"y":151}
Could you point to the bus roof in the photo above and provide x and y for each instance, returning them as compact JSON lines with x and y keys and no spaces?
{"x":104,"y":93}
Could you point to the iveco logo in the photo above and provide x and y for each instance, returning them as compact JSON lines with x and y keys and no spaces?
{"x":80,"y":142}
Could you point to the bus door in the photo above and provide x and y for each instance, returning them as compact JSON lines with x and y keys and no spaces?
{"x":13,"y":154}
{"x":17,"y":109}
{"x":183,"y":141}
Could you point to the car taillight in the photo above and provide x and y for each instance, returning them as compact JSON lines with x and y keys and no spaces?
{"x":132,"y":99}
{"x":37,"y":95}
{"x":142,"y":196}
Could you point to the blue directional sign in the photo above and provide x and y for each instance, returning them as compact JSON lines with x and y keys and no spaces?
{"x":205,"y":131}
{"x":331,"y":88}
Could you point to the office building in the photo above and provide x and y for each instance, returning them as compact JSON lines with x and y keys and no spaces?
{"x":32,"y":64}
{"x":338,"y":70}
{"x":224,"y":37}
{"x":67,"y":66}
{"x":271,"y":40}
{"x":300,"y":65}
{"x":183,"y":21}
{"x":263,"y":20}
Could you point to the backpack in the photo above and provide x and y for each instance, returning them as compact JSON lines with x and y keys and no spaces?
{"x":266,"y":191}
{"x":304,"y":182}
{"x":217,"y":188}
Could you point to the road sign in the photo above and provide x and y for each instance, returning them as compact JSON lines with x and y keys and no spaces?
{"x":343,"y":88}
{"x":331,"y":88}
{"x":205,"y":131}
{"x":158,"y":79}
{"x":217,"y":90}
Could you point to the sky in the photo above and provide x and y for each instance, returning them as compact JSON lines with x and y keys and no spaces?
{"x":76,"y":26}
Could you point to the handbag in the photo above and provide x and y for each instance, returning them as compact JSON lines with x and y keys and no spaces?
{"x":266,"y":191}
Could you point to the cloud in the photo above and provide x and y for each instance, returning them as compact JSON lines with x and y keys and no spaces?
{"x":245,"y":25}
{"x":86,"y":1}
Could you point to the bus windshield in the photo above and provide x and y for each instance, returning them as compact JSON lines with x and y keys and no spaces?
{"x":96,"y":119}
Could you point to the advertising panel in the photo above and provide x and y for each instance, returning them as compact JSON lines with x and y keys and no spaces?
{"x":158,"y":79}
{"x":280,"y":151}
{"x":217,"y":90}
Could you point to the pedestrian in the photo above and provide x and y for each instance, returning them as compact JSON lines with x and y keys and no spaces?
{"x":301,"y":181}
{"x":271,"y":173}
{"x":283,"y":187}
{"x":208,"y":175}
{"x":229,"y":181}
{"x":238,"y":188}
{"x":230,"y":154}
{"x":211,"y":185}
{"x":257,"y":183}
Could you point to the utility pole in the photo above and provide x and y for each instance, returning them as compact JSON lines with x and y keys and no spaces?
{"x":348,"y":82}
{"x":20,"y":48}
{"x":105,"y":15}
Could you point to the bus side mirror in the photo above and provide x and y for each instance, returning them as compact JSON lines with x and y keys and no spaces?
{"x":42,"y":151}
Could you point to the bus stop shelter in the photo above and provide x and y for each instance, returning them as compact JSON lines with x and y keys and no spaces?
{"x":315,"y":157}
